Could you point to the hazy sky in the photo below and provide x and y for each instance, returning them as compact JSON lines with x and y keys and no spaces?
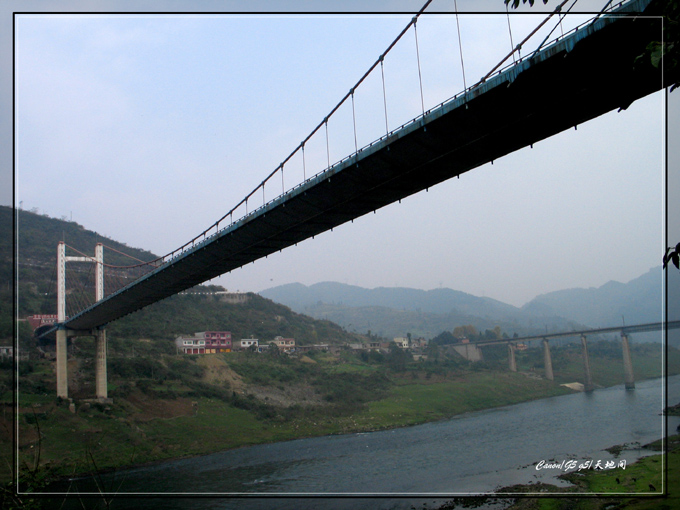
{"x":148,"y":128}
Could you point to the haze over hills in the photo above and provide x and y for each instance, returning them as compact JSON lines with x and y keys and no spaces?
{"x":398,"y":311}
{"x":637,"y":301}
{"x":393,"y":312}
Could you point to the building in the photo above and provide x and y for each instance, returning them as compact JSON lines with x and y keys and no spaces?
{"x":419,"y":343}
{"x":401,"y":342}
{"x":191,"y":345}
{"x":215,"y":341}
{"x":285,"y":344}
{"x":247,"y":343}
{"x":6,"y":351}
{"x":205,"y":342}
{"x":41,"y":320}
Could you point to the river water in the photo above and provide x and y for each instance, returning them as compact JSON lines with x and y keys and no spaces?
{"x":473,"y":453}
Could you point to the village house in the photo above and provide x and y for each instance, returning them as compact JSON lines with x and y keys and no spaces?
{"x":190,"y":345}
{"x":216,"y":341}
{"x":419,"y":343}
{"x":247,"y":343}
{"x":401,"y":342}
{"x":284,"y":344}
{"x":205,"y":342}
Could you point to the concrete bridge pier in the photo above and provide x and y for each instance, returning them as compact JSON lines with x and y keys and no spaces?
{"x":62,"y":364}
{"x":547,"y":361}
{"x":100,"y":369}
{"x":588,"y":385}
{"x":629,"y":378}
{"x":511,"y":357}
{"x":469,"y":351}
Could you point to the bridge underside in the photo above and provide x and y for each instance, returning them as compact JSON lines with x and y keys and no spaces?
{"x":567,"y":84}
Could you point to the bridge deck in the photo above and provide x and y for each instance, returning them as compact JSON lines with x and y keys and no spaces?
{"x":582,"y":76}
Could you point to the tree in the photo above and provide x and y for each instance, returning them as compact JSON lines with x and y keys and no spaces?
{"x":515,"y":3}
{"x":672,"y":255}
{"x":667,"y":50}
{"x":467,"y":331}
{"x":397,"y":358}
{"x":273,"y":350}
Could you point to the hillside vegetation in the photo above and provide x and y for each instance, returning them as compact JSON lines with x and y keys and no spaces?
{"x":37,"y":240}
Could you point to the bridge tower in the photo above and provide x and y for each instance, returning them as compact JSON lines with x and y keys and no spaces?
{"x":63,"y":333}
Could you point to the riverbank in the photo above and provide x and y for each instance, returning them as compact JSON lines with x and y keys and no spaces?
{"x":633,"y":487}
{"x":440,"y":457}
{"x":105,"y":437}
{"x":140,"y":429}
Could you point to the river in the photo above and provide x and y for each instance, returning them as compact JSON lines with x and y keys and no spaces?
{"x":472,"y":453}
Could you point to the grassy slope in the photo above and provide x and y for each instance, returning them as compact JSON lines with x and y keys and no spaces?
{"x":635,"y":487}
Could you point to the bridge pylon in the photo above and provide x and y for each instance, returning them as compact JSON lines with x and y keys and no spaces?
{"x":62,"y":333}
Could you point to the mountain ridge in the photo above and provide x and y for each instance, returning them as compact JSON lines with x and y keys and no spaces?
{"x":638,"y":301}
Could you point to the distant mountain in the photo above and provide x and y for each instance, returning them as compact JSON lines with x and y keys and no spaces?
{"x":393,"y":312}
{"x":438,"y":301}
{"x":638,"y":301}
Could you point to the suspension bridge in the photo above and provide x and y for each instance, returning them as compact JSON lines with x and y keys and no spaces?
{"x":582,"y":74}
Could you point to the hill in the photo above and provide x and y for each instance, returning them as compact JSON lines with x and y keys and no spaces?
{"x":38,"y":236}
{"x":638,"y":301}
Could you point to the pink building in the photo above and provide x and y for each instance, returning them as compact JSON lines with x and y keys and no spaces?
{"x":205,"y":342}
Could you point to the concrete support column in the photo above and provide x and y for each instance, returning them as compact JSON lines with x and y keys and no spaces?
{"x":629,"y":378}
{"x":511,"y":357}
{"x":61,"y":282}
{"x":99,"y":271}
{"x":588,"y":384}
{"x":62,"y":364}
{"x":547,"y":361}
{"x":100,"y":369}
